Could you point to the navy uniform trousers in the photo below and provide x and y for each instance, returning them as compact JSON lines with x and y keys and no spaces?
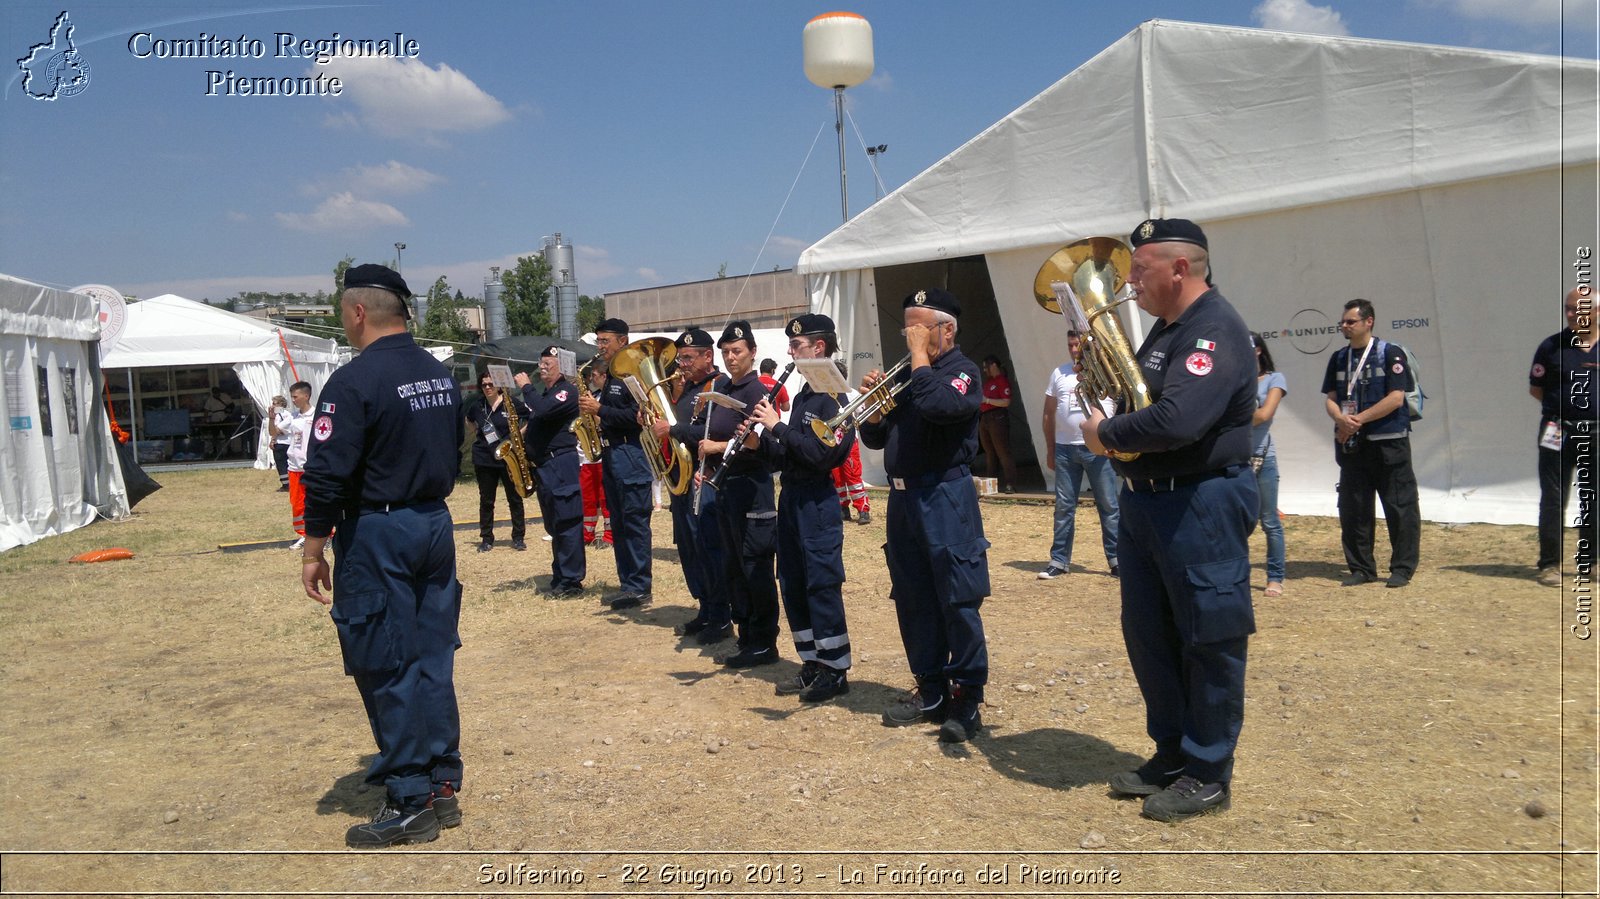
{"x":939,"y":569}
{"x":811,"y":570}
{"x":748,"y":517}
{"x":1186,"y":615}
{"x":626,"y":477}
{"x":1382,"y":467}
{"x":396,"y":603}
{"x":561,"y":506}
{"x":716,"y":607}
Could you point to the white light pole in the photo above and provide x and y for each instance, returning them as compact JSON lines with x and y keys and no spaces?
{"x":397,"y":248}
{"x":872,"y":157}
{"x":838,"y":54}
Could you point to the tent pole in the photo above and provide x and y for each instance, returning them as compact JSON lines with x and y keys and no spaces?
{"x":133,"y":418}
{"x":838,"y":129}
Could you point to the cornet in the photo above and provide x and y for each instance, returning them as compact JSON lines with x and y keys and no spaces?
{"x":877,"y":401}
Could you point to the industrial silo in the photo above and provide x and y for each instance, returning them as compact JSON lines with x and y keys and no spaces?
{"x":494,"y":307}
{"x":563,"y":286}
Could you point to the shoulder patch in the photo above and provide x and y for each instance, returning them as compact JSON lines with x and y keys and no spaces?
{"x":322,"y":429}
{"x":1397,"y":368}
{"x":960,"y":384}
{"x":1199,"y":364}
{"x":561,"y":396}
{"x":1538,"y":369}
{"x":1203,"y":344}
{"x":328,"y":408}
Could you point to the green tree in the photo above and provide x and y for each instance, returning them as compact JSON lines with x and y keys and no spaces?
{"x":444,"y":321}
{"x":591,"y":312}
{"x":722,"y":270}
{"x":526,"y":292}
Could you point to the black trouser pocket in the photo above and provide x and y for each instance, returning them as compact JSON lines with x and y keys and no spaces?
{"x":362,"y":620}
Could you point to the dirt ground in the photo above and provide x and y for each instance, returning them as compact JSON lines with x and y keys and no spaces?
{"x":180,"y":723}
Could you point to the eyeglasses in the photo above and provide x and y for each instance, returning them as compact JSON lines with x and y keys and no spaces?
{"x":1349,"y":322}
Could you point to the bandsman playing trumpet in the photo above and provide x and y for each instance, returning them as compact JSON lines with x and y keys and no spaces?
{"x":810,"y":531}
{"x":938,"y":557}
{"x":553,"y":451}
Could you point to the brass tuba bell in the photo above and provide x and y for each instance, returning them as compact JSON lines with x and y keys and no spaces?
{"x":649,"y":360}
{"x":1086,"y":281}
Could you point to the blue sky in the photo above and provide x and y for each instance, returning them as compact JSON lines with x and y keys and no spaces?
{"x":663,"y":139}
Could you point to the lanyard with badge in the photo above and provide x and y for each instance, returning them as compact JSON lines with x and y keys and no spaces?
{"x":1349,"y":405}
{"x":491,"y":436}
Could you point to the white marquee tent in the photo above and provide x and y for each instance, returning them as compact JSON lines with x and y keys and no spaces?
{"x":59,"y":463}
{"x":1455,"y":188}
{"x":172,"y":331}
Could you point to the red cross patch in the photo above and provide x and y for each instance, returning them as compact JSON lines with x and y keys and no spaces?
{"x":960,"y":385}
{"x":1538,"y":369}
{"x":323,"y":428}
{"x":1397,"y":368}
{"x":1199,"y":364}
{"x":561,"y":396}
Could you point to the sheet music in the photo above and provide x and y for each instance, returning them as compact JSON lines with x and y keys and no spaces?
{"x":823,"y":375}
{"x":567,"y":361}
{"x":501,"y":376}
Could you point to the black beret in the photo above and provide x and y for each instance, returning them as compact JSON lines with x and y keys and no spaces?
{"x":738,"y":329}
{"x":810,"y":323}
{"x":611,"y":326}
{"x":549,"y":351}
{"x":934,"y":298}
{"x":1168,"y":231}
{"x":694,"y":337}
{"x":382,"y":277}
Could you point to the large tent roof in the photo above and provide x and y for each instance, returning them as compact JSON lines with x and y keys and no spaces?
{"x":1210,"y":122}
{"x":171,"y":330}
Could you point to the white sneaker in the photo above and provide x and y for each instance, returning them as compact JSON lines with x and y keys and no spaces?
{"x":548,"y":538}
{"x":298,"y":543}
{"x":1054,"y":571}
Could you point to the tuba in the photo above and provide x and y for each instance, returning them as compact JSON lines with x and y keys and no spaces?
{"x":511,"y":451}
{"x":587,"y":427}
{"x":1085,"y":282}
{"x":648,"y":360}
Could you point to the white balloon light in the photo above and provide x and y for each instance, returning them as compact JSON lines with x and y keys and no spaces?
{"x":837,"y":47}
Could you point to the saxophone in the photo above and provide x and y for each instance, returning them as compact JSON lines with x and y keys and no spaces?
{"x":587,"y":427}
{"x":511,"y":452}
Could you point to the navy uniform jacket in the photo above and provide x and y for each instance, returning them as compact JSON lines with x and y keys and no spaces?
{"x":690,"y":429}
{"x":388,"y":430}
{"x":934,"y":421}
{"x":619,"y":414}
{"x":479,"y":412}
{"x":1386,"y":370}
{"x":750,"y":391}
{"x":1201,"y":371}
{"x":1569,"y":378}
{"x":550,"y":412}
{"x":792,"y":448}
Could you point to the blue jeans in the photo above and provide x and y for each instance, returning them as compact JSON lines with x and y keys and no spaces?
{"x":1072,"y":460}
{"x":1271,"y":524}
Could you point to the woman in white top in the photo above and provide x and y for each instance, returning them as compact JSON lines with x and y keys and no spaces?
{"x":1271,"y":388}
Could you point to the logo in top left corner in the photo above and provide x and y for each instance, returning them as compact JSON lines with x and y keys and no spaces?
{"x":55,"y":68}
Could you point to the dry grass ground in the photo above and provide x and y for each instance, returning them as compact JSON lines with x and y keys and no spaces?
{"x":189,"y":705}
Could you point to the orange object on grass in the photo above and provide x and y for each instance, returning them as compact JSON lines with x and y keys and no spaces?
{"x":103,"y":555}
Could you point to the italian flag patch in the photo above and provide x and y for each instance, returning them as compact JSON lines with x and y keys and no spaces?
{"x":1205,"y":345}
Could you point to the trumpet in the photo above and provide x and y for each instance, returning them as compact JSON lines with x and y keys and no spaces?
{"x":877,"y":401}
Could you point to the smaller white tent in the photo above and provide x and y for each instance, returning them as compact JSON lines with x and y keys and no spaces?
{"x":58,"y":461}
{"x":172,"y":331}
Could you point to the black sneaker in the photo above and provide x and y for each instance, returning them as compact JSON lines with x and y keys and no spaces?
{"x":1115,"y":571}
{"x":393,"y":825}
{"x":446,"y":806}
{"x":925,"y":705}
{"x":519,"y":545}
{"x":844,"y":512}
{"x":828,"y":683}
{"x":714,"y":633}
{"x":1149,"y":779}
{"x":964,"y":719}
{"x":1396,"y":579}
{"x":485,"y":546}
{"x":629,"y":601}
{"x":865,"y":517}
{"x":1187,"y":798}
{"x":1356,"y":579}
{"x":750,"y":657}
{"x":566,"y":591}
{"x":691,"y":627}
{"x":802,"y":680}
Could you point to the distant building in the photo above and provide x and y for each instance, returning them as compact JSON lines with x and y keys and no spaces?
{"x":768,"y":300}
{"x":295,"y":314}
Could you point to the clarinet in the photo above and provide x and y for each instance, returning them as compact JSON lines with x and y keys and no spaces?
{"x":737,"y":442}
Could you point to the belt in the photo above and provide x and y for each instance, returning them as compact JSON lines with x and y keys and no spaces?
{"x":553,"y":455}
{"x":1164,"y":485}
{"x":930,"y":480}
{"x":369,"y":508}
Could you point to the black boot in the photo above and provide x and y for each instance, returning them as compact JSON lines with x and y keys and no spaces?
{"x":964,"y":720}
{"x":928,"y":703}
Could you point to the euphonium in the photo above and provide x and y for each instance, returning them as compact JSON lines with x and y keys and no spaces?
{"x":587,"y":427}
{"x":877,"y":401}
{"x":1085,"y":282}
{"x":511,"y":452}
{"x":647,"y":360}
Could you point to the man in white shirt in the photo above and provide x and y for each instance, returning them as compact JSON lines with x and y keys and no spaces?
{"x":299,"y":431}
{"x":1063,"y":420}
